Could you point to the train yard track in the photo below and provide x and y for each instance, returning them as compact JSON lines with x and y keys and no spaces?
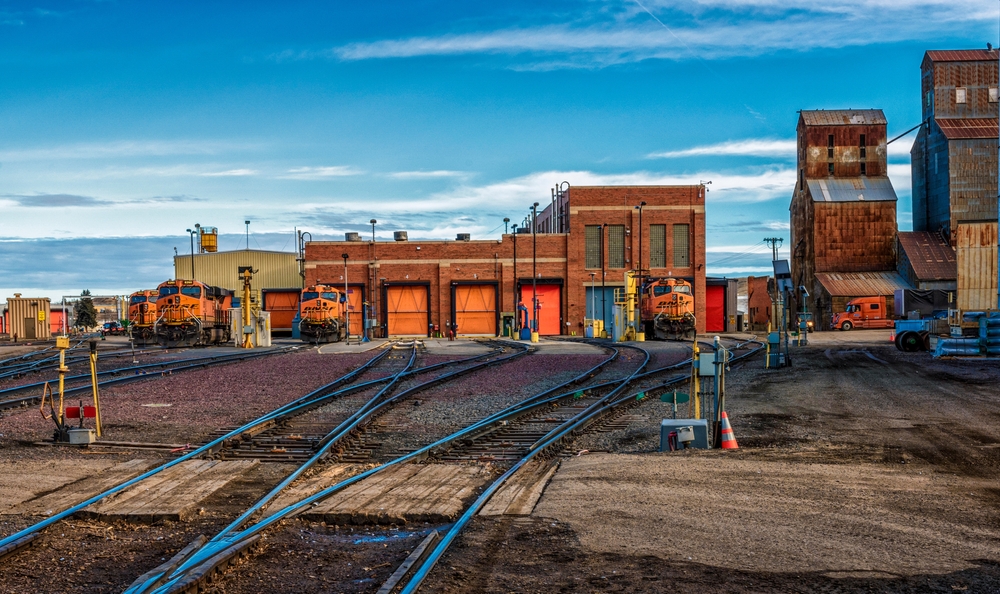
{"x":548,"y":413}
{"x":80,"y":384}
{"x":537,"y":427}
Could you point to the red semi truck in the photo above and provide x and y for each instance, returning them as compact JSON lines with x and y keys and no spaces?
{"x":863,"y":312}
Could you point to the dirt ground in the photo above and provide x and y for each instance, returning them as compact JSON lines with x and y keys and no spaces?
{"x":862,"y":469}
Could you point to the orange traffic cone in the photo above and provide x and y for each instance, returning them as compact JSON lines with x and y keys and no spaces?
{"x":728,"y":439}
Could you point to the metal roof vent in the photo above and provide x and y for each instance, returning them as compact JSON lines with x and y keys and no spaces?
{"x":352,"y":236}
{"x":463,"y":237}
{"x":399,"y":235}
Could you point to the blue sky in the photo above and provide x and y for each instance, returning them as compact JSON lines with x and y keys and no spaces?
{"x":122,"y":124}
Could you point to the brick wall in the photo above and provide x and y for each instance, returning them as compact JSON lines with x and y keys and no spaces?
{"x":560,"y":257}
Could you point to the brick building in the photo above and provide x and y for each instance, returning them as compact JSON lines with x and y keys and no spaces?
{"x":954,"y":157}
{"x":843,"y":211}
{"x":420,"y":285}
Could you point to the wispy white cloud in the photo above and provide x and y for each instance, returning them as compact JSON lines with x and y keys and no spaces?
{"x":515,"y":193}
{"x":123,"y":149}
{"x":319,"y":173}
{"x":427,"y":174}
{"x":708,"y":29}
{"x":230,"y":173}
{"x":752,"y":147}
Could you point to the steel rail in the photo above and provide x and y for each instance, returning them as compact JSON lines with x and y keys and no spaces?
{"x":34,"y":367}
{"x":194,"y":363}
{"x":232,"y":540}
{"x":11,"y":543}
{"x":229,"y":536}
{"x":578,"y":422}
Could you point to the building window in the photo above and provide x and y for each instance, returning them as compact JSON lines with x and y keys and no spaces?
{"x":928,"y":99}
{"x":593,"y":246}
{"x":960,"y":94}
{"x":682,"y":256}
{"x":616,"y":246}
{"x":863,"y":147}
{"x":864,"y":168}
{"x":829,"y":146}
{"x":657,"y":246}
{"x":830,"y":168}
{"x":801,"y":181}
{"x":994,"y":95}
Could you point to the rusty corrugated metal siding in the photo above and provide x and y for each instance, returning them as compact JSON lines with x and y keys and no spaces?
{"x":276,"y":270}
{"x":854,"y":236}
{"x":861,"y":284}
{"x":976,"y":247}
{"x":956,"y":128}
{"x":929,"y":256}
{"x":851,"y":189}
{"x":972,"y":171}
{"x":842,"y":117}
{"x":954,"y":158}
{"x":23,"y":317}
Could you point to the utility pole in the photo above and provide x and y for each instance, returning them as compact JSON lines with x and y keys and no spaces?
{"x":534,"y":273}
{"x":775,"y":243}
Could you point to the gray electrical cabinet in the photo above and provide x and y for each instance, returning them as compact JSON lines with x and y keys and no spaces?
{"x":699,"y":427}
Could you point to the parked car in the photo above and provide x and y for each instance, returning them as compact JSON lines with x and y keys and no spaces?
{"x":113,"y":329}
{"x":863,"y":312}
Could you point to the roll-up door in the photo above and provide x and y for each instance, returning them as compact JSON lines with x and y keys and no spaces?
{"x":476,"y":309}
{"x":407,"y":309}
{"x":283,"y":306}
{"x":715,"y":308}
{"x":549,"y":302}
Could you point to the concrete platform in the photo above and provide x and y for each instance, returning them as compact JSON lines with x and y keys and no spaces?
{"x":173,"y":494}
{"x":434,"y":493}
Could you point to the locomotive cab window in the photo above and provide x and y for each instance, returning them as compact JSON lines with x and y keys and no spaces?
{"x":658,"y":291}
{"x":682,"y":289}
{"x":139,"y":299}
{"x":330,"y":296}
{"x":191,"y":291}
{"x":166,"y":291}
{"x":309,"y":295}
{"x":874,"y":306}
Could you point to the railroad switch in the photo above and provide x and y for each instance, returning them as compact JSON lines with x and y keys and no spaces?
{"x":61,"y":414}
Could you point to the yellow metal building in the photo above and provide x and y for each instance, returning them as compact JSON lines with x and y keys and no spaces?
{"x":29,"y":317}
{"x":275,"y":270}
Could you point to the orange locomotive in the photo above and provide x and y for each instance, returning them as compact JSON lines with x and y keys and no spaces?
{"x":323,"y":314}
{"x":192,"y":313}
{"x":668,"y":309}
{"x":142,"y":316}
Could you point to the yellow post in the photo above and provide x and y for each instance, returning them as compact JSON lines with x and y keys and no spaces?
{"x":767,"y":355}
{"x":93,"y":382}
{"x":62,"y":343}
{"x":245,"y":308}
{"x":534,"y":336}
{"x":695,"y":380}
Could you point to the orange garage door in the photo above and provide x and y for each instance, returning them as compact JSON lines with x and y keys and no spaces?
{"x":549,"y":301}
{"x":355,"y":309}
{"x":476,"y":309}
{"x":283,"y":306}
{"x":407,"y":308}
